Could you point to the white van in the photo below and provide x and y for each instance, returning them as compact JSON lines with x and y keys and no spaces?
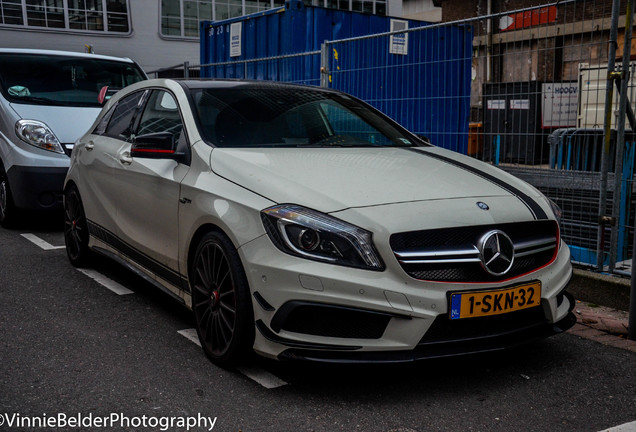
{"x":48,"y":99}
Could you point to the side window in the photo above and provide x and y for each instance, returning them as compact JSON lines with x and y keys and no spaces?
{"x":161,"y":117}
{"x":100,"y":129}
{"x":120,"y":124}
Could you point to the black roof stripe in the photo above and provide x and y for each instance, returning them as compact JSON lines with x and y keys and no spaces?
{"x":536,"y":210}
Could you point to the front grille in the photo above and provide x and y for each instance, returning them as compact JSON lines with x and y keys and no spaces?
{"x":451,"y":254}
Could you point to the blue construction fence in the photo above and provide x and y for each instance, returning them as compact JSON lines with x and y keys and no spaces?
{"x":421,"y":78}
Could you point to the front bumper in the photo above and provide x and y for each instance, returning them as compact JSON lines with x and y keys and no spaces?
{"x":37,"y":188}
{"x":315,"y":311}
{"x":485,"y":336}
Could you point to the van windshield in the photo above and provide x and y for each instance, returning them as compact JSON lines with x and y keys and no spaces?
{"x":42,"y":79}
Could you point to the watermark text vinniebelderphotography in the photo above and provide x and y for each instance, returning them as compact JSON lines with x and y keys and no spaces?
{"x":117,"y":421}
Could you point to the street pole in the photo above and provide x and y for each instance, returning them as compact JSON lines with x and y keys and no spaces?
{"x":605,"y":155}
{"x":623,"y":103}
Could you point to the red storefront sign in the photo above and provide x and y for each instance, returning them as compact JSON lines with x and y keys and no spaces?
{"x":527,"y":19}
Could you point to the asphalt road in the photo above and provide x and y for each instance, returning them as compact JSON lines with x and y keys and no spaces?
{"x":72,"y":348}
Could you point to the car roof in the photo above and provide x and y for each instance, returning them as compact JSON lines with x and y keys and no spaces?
{"x":62,"y":53}
{"x":239,"y":83}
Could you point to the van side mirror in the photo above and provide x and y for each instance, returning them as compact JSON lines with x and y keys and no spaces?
{"x":106,"y":93}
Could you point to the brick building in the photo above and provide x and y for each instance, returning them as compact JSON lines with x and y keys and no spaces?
{"x":547,"y":44}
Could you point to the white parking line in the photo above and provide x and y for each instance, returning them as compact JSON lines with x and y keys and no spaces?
{"x":106,"y":282}
{"x":264,"y":378}
{"x":191,"y":335}
{"x":627,"y":427}
{"x":41,"y":243}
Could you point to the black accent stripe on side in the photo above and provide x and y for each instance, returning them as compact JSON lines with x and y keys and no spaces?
{"x":140,"y":258}
{"x":536,"y":210}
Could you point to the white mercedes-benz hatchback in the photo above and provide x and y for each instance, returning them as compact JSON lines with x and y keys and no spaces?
{"x":301,"y":223}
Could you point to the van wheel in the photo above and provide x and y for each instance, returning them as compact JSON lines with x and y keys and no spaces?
{"x":7,"y":208}
{"x":75,"y":229}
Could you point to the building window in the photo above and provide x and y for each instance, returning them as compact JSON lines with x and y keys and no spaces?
{"x":180,"y":18}
{"x":377,"y":7}
{"x":11,"y":12}
{"x":80,"y":15}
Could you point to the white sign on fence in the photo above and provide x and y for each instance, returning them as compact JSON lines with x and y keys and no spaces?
{"x":399,"y":43}
{"x":497,"y":104}
{"x":560,"y":104}
{"x":235,"y":39}
{"x":519,"y":104}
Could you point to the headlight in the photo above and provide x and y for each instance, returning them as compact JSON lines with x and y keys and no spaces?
{"x":317,"y":236}
{"x":38,"y":134}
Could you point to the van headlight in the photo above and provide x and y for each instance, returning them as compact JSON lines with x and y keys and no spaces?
{"x":317,"y":236}
{"x":38,"y":134}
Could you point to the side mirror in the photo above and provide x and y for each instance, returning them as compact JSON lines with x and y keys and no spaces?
{"x":160,"y":145}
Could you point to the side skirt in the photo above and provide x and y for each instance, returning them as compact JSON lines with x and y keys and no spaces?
{"x":145,"y":275}
{"x":167,"y":280}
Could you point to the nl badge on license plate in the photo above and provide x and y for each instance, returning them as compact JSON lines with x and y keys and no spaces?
{"x":470,"y":304}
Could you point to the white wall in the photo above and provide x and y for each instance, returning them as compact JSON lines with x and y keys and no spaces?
{"x":144,"y":45}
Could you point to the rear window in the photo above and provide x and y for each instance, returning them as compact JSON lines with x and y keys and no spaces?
{"x":41,"y":79}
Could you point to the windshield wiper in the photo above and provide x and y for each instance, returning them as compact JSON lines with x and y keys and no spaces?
{"x":45,"y":101}
{"x":340,"y":141}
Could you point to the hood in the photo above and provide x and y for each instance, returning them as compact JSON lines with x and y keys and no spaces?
{"x":67,"y":123}
{"x":333,"y":179}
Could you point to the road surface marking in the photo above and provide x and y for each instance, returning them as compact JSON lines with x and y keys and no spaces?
{"x":106,"y":282}
{"x":191,"y":335}
{"x":264,"y":378}
{"x":41,"y":243}
{"x":627,"y":427}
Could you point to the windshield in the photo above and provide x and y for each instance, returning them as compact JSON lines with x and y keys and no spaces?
{"x":272,"y":116}
{"x":41,"y":79}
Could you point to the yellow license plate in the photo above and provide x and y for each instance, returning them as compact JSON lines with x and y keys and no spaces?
{"x":470,"y":304}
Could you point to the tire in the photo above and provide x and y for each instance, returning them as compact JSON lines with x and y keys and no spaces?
{"x":221,"y":302}
{"x":8,"y":211}
{"x":75,"y":229}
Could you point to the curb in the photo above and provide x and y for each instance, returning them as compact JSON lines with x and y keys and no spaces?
{"x":601,"y":309}
{"x":601,"y":289}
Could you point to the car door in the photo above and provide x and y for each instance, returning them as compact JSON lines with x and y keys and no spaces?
{"x":98,"y":156}
{"x":148,"y":176}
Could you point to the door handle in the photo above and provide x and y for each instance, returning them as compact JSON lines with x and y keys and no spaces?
{"x":125,"y":158}
{"x":89,"y":145}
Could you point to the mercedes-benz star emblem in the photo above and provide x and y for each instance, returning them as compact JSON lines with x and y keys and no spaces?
{"x":496,"y":251}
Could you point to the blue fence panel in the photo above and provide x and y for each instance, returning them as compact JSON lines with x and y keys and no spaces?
{"x":427,"y":90}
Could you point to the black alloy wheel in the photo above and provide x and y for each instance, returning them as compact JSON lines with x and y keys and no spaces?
{"x":75,"y":228}
{"x":221,"y":302}
{"x":7,"y":208}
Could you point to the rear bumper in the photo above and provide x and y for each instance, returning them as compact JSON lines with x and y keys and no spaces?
{"x":37,"y":188}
